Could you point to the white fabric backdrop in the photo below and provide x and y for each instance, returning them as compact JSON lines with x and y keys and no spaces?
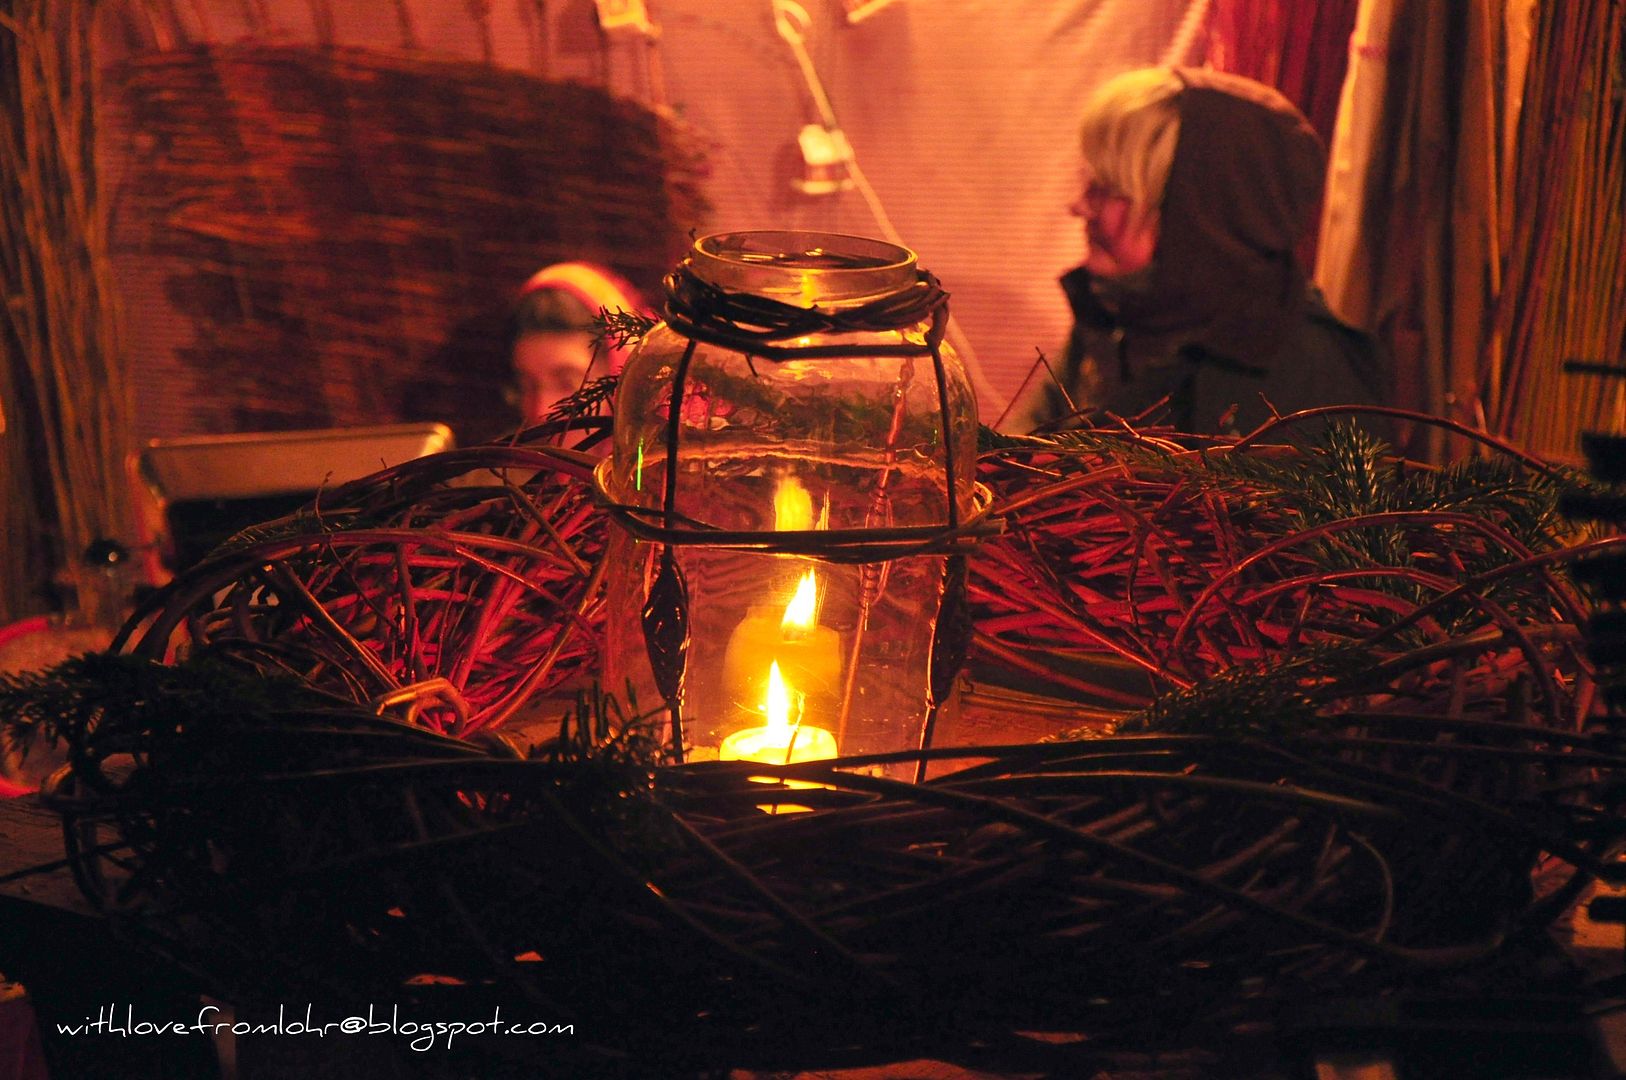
{"x":961,"y":113}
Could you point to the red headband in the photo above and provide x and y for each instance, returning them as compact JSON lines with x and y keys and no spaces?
{"x":596,"y":287}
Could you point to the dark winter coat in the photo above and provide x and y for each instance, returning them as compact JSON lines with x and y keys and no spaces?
{"x":1225,"y":313}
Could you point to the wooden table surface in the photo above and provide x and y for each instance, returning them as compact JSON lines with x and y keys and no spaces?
{"x":31,"y":835}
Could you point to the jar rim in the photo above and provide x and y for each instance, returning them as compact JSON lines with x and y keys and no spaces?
{"x":812,"y":267}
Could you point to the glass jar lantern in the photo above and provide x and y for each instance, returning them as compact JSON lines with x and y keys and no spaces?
{"x":793,"y":483}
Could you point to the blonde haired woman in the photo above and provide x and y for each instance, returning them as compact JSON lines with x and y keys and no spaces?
{"x":1196,"y":188}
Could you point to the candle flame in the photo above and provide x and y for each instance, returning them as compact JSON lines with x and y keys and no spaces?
{"x":792,"y":506}
{"x":777,"y":706}
{"x":802,"y":613}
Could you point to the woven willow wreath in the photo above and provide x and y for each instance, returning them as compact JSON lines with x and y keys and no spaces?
{"x":1323,"y":719}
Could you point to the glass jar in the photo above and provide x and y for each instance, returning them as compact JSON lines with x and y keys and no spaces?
{"x":792,"y":472}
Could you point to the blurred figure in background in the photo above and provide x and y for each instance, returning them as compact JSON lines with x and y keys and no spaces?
{"x":1196,"y":189}
{"x":551,"y":346}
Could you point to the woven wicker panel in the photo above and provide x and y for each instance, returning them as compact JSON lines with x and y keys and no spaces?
{"x":341,"y":230}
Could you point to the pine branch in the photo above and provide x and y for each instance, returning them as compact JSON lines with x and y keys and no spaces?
{"x":621,"y":329}
{"x":590,"y":400}
{"x":73,"y":700}
{"x":1267,"y":700}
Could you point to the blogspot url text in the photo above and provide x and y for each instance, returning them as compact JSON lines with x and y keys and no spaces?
{"x":421,"y":1035}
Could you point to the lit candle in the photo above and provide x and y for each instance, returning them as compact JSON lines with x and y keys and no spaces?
{"x":779,"y":741}
{"x":807,"y":654}
{"x":792,"y":506}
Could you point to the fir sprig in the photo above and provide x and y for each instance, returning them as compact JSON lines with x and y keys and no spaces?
{"x":1348,"y":473}
{"x":1272,"y":699}
{"x":70,"y":702}
{"x":620,"y":328}
{"x":607,"y":757}
{"x":598,"y":728}
{"x":590,"y":400}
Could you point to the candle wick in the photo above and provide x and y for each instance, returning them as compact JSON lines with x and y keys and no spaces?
{"x":796,"y":725}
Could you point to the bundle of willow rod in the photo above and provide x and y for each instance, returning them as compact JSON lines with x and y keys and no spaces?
{"x":1564,"y":295}
{"x":64,"y":388}
{"x":1367,"y":754}
{"x":451,"y":590}
{"x":1180,"y":562}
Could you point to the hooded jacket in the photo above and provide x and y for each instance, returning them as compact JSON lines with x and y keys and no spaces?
{"x":1224,"y":313}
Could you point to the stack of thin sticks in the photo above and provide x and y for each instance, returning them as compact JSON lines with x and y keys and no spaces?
{"x":1366,"y":755}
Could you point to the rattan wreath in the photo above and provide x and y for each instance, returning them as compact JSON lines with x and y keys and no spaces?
{"x":1323,"y":718}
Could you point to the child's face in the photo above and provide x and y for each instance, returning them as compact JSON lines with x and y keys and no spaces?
{"x":549,"y":366}
{"x":1119,"y":238}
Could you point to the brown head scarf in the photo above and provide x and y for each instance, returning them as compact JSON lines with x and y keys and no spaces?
{"x":1243,"y":184}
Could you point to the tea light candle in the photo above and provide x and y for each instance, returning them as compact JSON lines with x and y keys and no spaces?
{"x":779,"y":741}
{"x":808,"y":655}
